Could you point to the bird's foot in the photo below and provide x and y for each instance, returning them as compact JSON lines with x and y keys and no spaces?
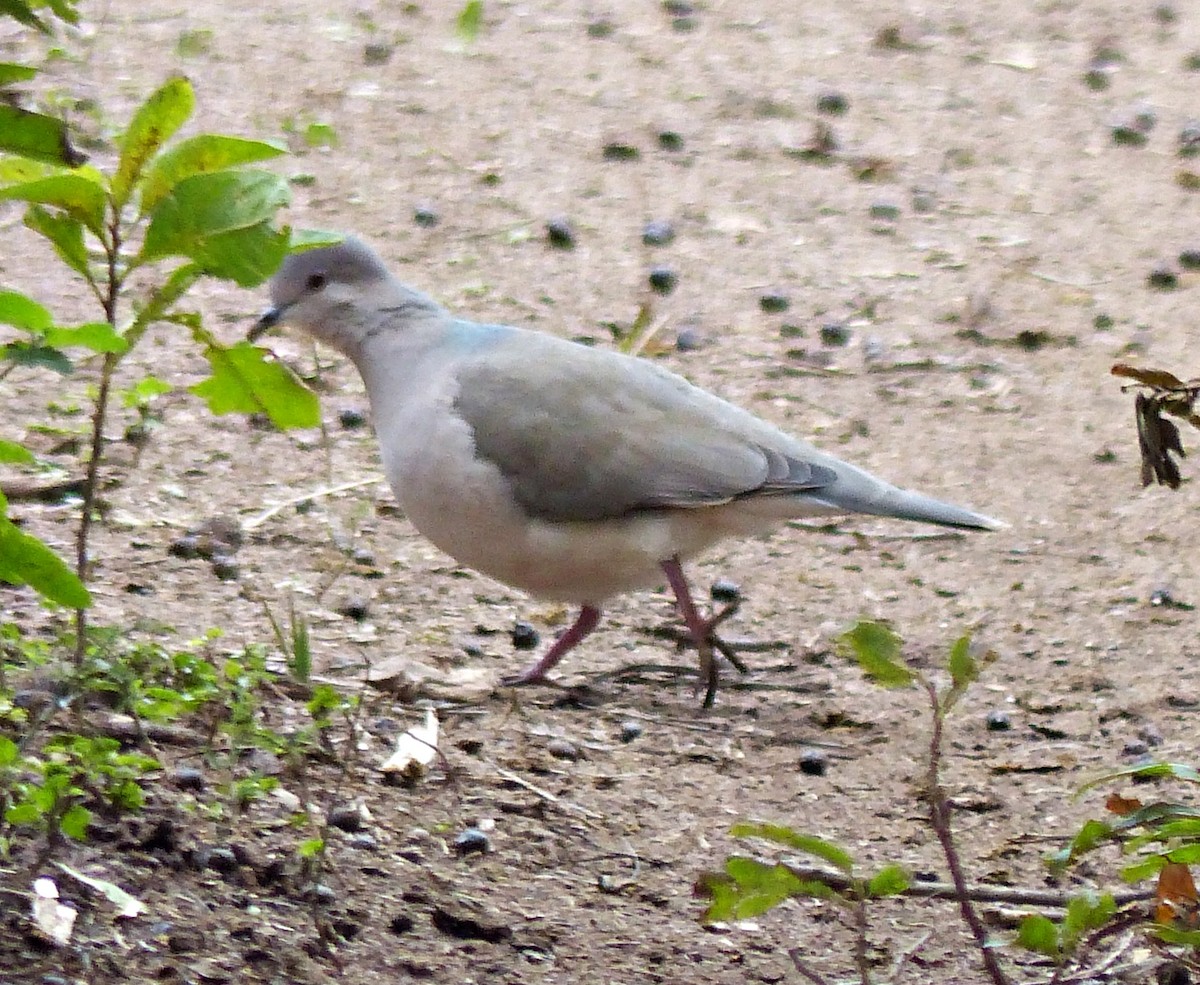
{"x":588,"y":619}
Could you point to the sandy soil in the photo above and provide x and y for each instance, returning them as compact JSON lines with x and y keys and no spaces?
{"x":975,"y":194}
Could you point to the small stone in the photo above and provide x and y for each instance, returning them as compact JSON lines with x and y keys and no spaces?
{"x":426,"y":216}
{"x":471,"y":746}
{"x":524,"y":636}
{"x":1163,"y":278}
{"x":186,"y":547}
{"x":688,"y":339}
{"x":401,"y":923}
{"x":998,"y":721}
{"x":1151,"y":735}
{"x":322,"y":894}
{"x":363,"y":841}
{"x":813,"y":762}
{"x":560,"y":234}
{"x":220,"y":860}
{"x":472,"y":841}
{"x":377,"y":53}
{"x":663,"y":279}
{"x":346,"y":817}
{"x":188,"y":778}
{"x":1134,"y":748}
{"x":1189,"y":139}
{"x":355,"y":608}
{"x":225,"y":567}
{"x":885,"y":211}
{"x":658,"y":232}
{"x":724,"y":590}
{"x":620,"y":150}
{"x":1190,"y":259}
{"x":363,"y":556}
{"x":562,"y":749}
{"x":670,"y":140}
{"x":351,"y":418}
{"x":630,"y":730}
{"x":832,"y":103}
{"x":773,"y":302}
{"x":835,"y":334}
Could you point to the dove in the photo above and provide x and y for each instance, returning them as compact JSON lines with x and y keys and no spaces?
{"x":573,"y":473}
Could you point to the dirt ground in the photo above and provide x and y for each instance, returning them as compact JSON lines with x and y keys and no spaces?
{"x":975,"y":193}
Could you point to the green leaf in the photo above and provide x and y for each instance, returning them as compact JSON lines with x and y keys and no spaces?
{"x":177,"y":284}
{"x":470,"y":20}
{"x":1141,"y":871}
{"x":35,"y":354}
{"x":14,"y":170}
{"x":206,"y":206}
{"x":891,"y":880}
{"x":23,"y":312}
{"x":877,"y":650}
{"x":144,"y":392}
{"x":245,"y":381}
{"x":74,"y":822}
{"x":311,"y":239}
{"x":200,"y":155}
{"x":78,"y":194}
{"x":827,"y":851}
{"x":1086,"y":912}
{"x":22,"y":11}
{"x":26,"y":812}
{"x":320,"y":135}
{"x":155,"y":122}
{"x":33,"y":135}
{"x":311,"y":848}
{"x":25,"y":560}
{"x":963,"y":668}
{"x":1092,"y":833}
{"x":1147,"y":771}
{"x":749,"y":888}
{"x":1040,"y":935}
{"x":65,"y":233}
{"x":11,"y":72}
{"x":12,"y":453}
{"x":10,"y":752}
{"x":245,"y":256}
{"x":98,"y":336}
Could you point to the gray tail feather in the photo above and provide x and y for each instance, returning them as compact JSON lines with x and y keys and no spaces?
{"x":904,"y":504}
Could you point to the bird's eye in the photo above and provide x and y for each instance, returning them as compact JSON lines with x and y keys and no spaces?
{"x":315,"y":282}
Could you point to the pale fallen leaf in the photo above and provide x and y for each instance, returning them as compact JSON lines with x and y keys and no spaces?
{"x":415,"y":749}
{"x":127,"y":906}
{"x":51,"y":917}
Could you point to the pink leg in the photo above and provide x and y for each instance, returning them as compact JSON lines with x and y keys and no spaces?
{"x":701,"y":629}
{"x":589,"y":619}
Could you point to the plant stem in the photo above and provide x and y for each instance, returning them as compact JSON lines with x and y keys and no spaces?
{"x":939,"y":819}
{"x":112,"y":289}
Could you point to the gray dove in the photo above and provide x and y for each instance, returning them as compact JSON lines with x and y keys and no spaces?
{"x":572,"y":473}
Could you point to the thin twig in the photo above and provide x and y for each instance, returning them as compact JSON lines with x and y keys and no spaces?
{"x":546,"y":795}
{"x":262,"y":518}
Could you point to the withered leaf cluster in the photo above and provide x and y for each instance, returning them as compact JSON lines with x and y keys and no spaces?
{"x":1159,"y":393}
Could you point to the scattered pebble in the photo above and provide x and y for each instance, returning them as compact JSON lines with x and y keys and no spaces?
{"x":832,"y":103}
{"x":219,"y":859}
{"x":225,"y":567}
{"x":401,"y":923}
{"x":658,"y":232}
{"x":835,"y":334}
{"x":346,"y":817}
{"x":663,"y":279}
{"x":362,"y":555}
{"x":670,"y":140}
{"x":186,"y":547}
{"x":1134,"y":748}
{"x":688,"y":339}
{"x":560,"y":234}
{"x":1151,"y":735}
{"x":377,"y":53}
{"x":620,"y":150}
{"x":188,"y":778}
{"x":724,"y":590}
{"x":351,"y":418}
{"x":472,"y":841}
{"x":630,"y":730}
{"x":1189,"y":139}
{"x":813,"y":762}
{"x":355,"y":608}
{"x":1163,"y":278}
{"x":773,"y":302}
{"x":524,"y":636}
{"x":562,"y":749}
{"x":426,"y":216}
{"x":363,"y":841}
{"x":998,"y":721}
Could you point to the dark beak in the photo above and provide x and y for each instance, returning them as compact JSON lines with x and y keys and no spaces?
{"x":266,"y":321}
